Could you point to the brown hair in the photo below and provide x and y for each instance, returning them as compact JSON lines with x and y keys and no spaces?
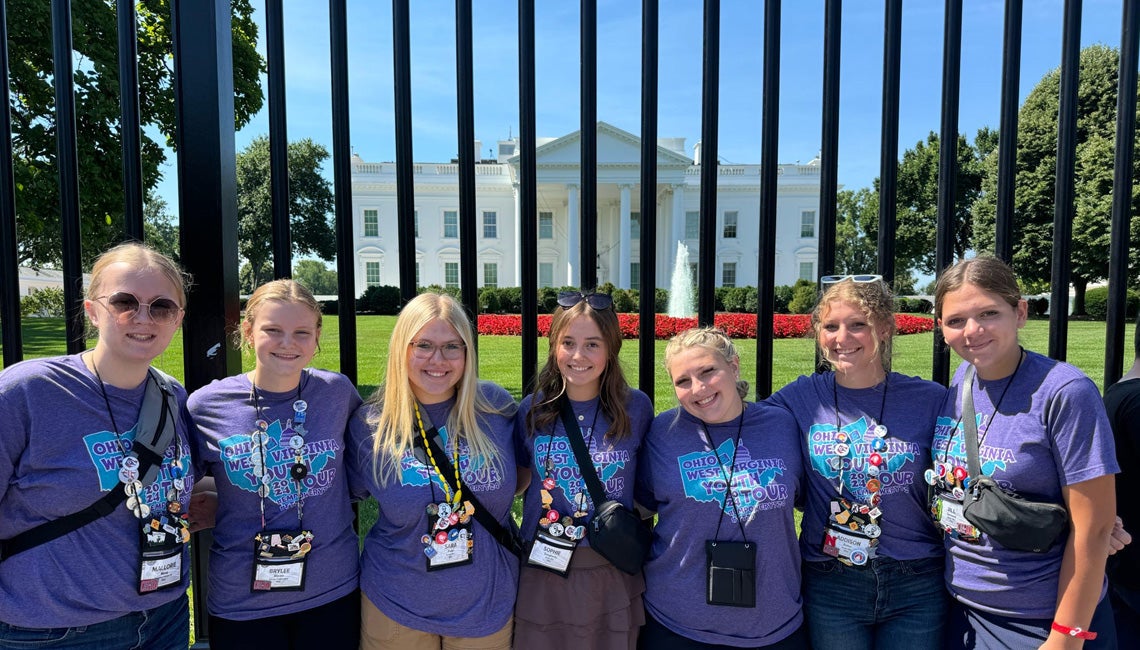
{"x":985,"y":272}
{"x":140,"y":256}
{"x":876,"y":302}
{"x":709,"y":338}
{"x":288,"y":291}
{"x":613,"y":391}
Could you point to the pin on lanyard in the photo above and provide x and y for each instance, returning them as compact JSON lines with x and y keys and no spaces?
{"x":454,"y":501}
{"x":846,"y":446}
{"x":259,"y":440}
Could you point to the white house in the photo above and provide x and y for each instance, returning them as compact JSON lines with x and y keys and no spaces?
{"x":619,"y":216}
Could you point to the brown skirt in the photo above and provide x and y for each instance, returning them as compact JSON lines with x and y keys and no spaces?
{"x":596,"y":607}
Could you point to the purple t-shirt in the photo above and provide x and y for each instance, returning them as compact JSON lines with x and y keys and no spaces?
{"x":908,"y":411}
{"x":224,"y":416}
{"x":615,"y":461}
{"x":470,"y":600}
{"x":58,"y":455}
{"x":1051,"y":431}
{"x":683,"y":479}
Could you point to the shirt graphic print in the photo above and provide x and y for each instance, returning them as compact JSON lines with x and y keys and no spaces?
{"x":235,"y":453}
{"x":755,"y":484}
{"x":477,"y":475}
{"x":829,"y":463}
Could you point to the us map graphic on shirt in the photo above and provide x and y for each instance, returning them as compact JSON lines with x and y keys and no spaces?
{"x":103,"y":448}
{"x":754,"y":484}
{"x":568,"y":476}
{"x":893,"y":474}
{"x":279,"y":458}
{"x":950,"y":445}
{"x":478,"y":475}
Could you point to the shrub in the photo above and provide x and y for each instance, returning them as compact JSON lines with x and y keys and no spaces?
{"x":1096,"y":303}
{"x":43,"y":302}
{"x":913,"y":305}
{"x":330,"y":307}
{"x":1038,"y":307}
{"x":784,"y":295}
{"x":626,"y":301}
{"x":547,"y":300}
{"x":660,"y":300}
{"x":510,"y":300}
{"x":379,"y":299}
{"x":489,"y":300}
{"x":803,"y":297}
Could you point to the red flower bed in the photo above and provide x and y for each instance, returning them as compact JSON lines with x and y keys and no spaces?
{"x":737,"y":326}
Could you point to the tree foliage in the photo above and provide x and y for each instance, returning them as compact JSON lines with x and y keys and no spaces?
{"x":96,"y":91}
{"x":310,"y":204}
{"x":316,"y":277}
{"x":1036,"y":178}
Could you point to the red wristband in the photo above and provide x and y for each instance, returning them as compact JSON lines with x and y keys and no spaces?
{"x":1074,"y":631}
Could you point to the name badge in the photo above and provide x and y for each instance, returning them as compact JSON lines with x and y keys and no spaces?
{"x":551,"y":553}
{"x":160,"y":554}
{"x":279,"y":559}
{"x":949,"y":514}
{"x":448,"y":546}
{"x":848,"y":547}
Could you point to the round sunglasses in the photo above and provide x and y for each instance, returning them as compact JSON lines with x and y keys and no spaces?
{"x":124,"y":306}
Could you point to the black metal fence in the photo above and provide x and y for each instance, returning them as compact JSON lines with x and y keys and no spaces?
{"x":204,"y":92}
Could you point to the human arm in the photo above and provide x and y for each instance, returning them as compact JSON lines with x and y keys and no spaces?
{"x":1119,"y":537}
{"x":203,"y":507}
{"x":522,"y":482}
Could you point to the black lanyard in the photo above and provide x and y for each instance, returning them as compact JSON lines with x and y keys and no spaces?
{"x":728,"y":495}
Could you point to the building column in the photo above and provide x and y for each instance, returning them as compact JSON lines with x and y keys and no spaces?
{"x":518,"y":236}
{"x":573,"y":242}
{"x":678,"y":225}
{"x":623,"y":239}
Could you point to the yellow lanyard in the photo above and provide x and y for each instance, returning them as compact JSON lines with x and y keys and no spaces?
{"x":434,"y":466}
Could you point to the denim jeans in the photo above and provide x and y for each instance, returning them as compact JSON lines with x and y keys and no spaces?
{"x":970,"y":628}
{"x":885,"y":604}
{"x":166,"y":627}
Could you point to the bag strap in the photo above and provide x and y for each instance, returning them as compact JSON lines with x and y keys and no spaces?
{"x":507,"y":537}
{"x":153,"y":434}
{"x":578,"y":444}
{"x":970,"y":424}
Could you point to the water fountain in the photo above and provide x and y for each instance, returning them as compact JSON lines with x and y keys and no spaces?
{"x":681,"y":285}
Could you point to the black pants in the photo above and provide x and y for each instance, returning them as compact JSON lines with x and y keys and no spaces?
{"x":332,"y":626}
{"x":655,"y":636}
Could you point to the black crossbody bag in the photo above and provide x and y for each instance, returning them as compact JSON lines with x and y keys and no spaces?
{"x":153,"y":436}
{"x":615,"y":531}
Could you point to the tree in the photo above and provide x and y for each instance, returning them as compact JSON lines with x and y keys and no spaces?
{"x":856,"y":210}
{"x":316,"y":277}
{"x":310,"y":204}
{"x":1035,"y":183}
{"x":96,"y":89}
{"x":160,"y":229}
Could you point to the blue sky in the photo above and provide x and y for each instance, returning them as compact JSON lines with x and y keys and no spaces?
{"x":679,"y":112}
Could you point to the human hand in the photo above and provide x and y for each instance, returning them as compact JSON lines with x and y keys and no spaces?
{"x":1119,"y":537}
{"x":202,"y":511}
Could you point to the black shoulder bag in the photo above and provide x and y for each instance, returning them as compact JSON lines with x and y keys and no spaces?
{"x":153,"y":435}
{"x":1010,"y":520}
{"x":615,"y":531}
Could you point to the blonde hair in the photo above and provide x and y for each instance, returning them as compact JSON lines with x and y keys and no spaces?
{"x":876,"y":302}
{"x":393,"y":417}
{"x":139,"y":256}
{"x":287,"y":291}
{"x":708,"y":338}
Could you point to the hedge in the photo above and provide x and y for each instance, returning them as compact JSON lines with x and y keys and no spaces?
{"x":735,"y":325}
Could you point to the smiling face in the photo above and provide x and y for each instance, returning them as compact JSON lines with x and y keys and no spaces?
{"x":128,"y":340}
{"x":284,"y":336}
{"x":851,"y":344}
{"x":434,"y":379}
{"x":981,"y":327}
{"x":705,"y":384}
{"x":581,"y":354}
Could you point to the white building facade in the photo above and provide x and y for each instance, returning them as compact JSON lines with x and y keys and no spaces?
{"x":619,"y":216}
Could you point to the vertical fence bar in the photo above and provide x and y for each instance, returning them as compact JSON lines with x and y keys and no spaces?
{"x":1064,"y":209}
{"x":405,"y":191}
{"x":1114,"y":356}
{"x":1007,"y":133}
{"x":829,"y":139}
{"x":207,"y":199}
{"x":528,"y":196}
{"x":889,"y":156}
{"x":278,"y":140}
{"x":710,"y":116}
{"x":589,"y":205}
{"x":646,"y":356}
{"x":68,"y":165}
{"x":769,"y":162}
{"x":129,"y":125}
{"x":947,"y":164}
{"x":9,"y":258}
{"x":465,"y":112}
{"x":342,"y":188}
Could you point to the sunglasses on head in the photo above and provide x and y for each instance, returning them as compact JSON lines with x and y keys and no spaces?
{"x":833,"y":279}
{"x":599,"y":301}
{"x":126,"y":305}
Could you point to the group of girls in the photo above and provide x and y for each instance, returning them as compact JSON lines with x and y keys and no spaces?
{"x":870,"y":456}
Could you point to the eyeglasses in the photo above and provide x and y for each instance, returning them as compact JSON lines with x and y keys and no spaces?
{"x":833,"y":279}
{"x":125,"y":305}
{"x":426,"y":350}
{"x":599,"y":301}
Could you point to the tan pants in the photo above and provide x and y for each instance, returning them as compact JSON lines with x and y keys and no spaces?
{"x":378,"y":632}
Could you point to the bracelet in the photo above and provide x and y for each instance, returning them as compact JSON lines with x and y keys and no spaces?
{"x":1074,"y":631}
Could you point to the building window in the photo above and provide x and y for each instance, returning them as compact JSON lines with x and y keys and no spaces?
{"x":418,"y":283}
{"x":728,"y":274}
{"x":372,"y":274}
{"x":451,"y":275}
{"x":416,"y":222}
{"x":730,"y":224}
{"x":545,"y":274}
{"x":490,"y":275}
{"x":635,"y":225}
{"x":635,"y":276}
{"x":807,"y":271}
{"x":490,"y":225}
{"x":450,"y":224}
{"x":807,"y":224}
{"x":371,"y":223}
{"x":546,"y":225}
{"x":692,"y":225}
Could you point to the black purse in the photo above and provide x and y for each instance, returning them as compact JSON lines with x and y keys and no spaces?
{"x":615,"y":532}
{"x":1011,"y":521}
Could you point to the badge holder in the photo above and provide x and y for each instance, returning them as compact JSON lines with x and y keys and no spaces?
{"x":852,"y":533}
{"x":450,"y":542}
{"x":551,"y":553}
{"x":160,"y":553}
{"x":730,"y":567}
{"x":279,"y":560}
